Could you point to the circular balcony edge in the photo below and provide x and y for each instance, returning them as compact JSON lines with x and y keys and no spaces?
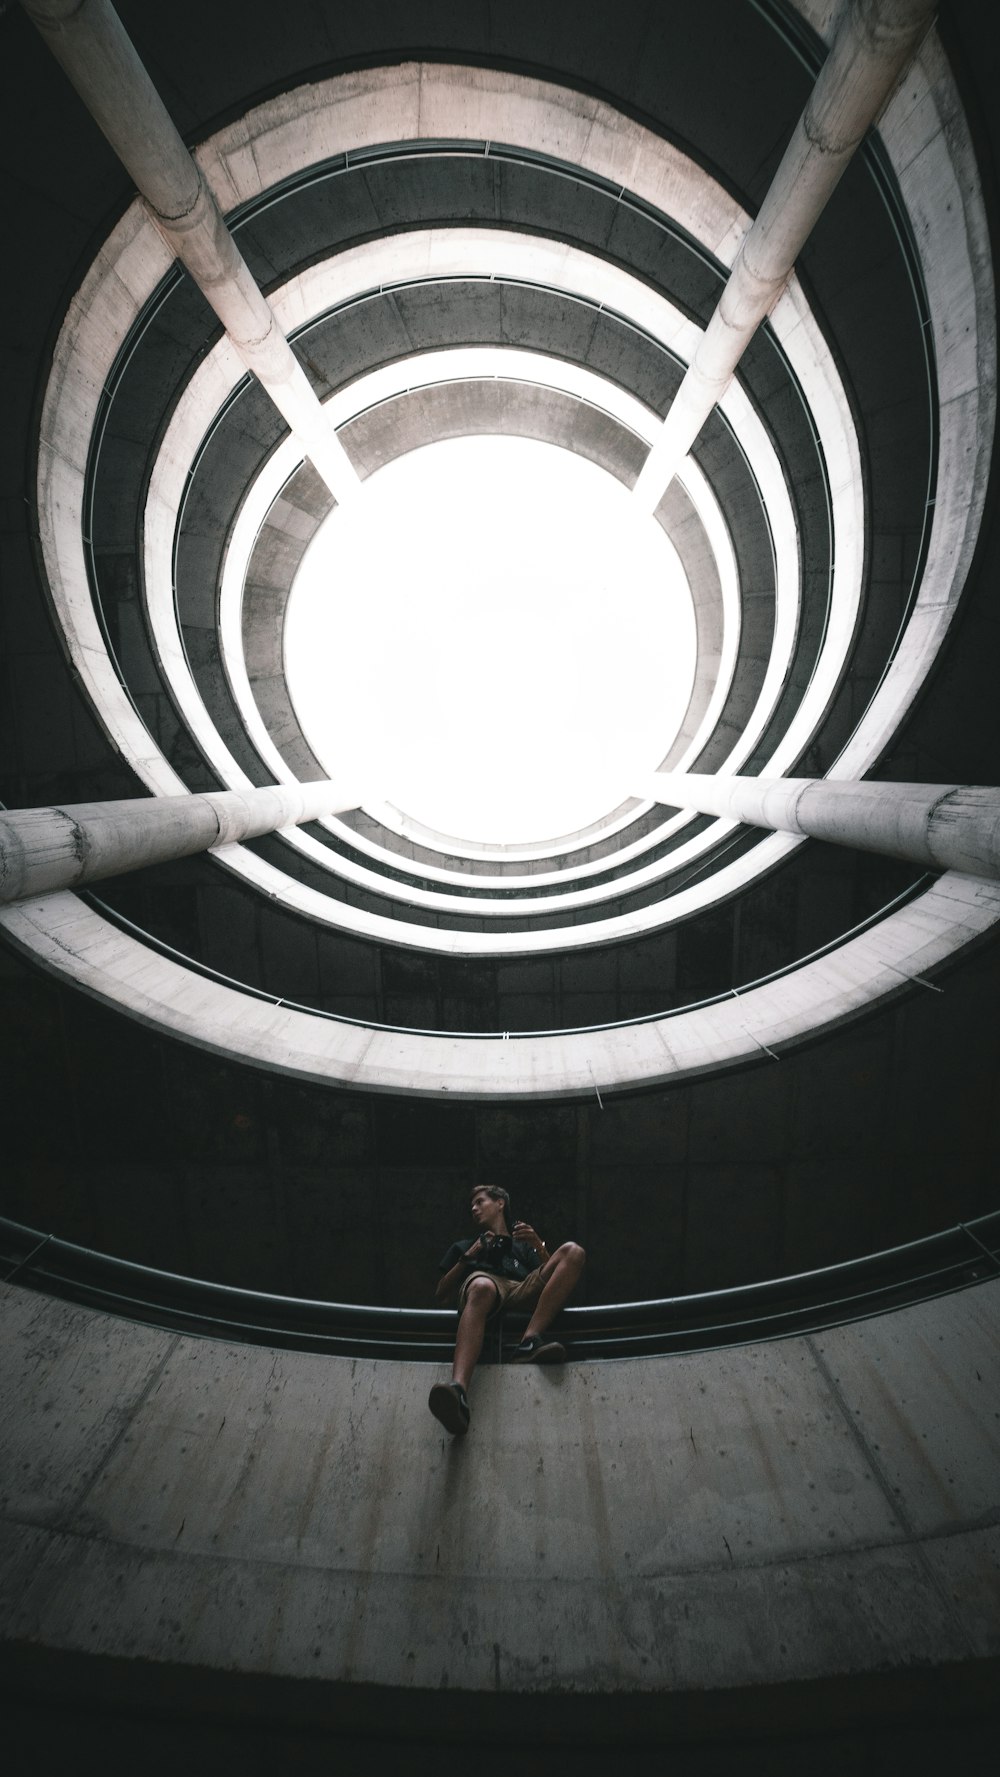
{"x":953,"y":1259}
{"x":69,"y":940}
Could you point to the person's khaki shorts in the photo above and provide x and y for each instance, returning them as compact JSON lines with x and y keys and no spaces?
{"x":511,"y":1291}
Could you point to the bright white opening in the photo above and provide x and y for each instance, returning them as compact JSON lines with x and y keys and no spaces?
{"x":491,"y":639}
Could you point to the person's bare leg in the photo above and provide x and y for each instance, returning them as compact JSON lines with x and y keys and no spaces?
{"x":479,"y":1305}
{"x":561,"y":1274}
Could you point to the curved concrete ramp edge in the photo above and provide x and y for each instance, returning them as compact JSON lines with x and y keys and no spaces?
{"x":694,"y":1534}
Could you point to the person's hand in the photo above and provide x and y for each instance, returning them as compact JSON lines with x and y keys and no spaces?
{"x":524,"y":1231}
{"x":474,"y":1251}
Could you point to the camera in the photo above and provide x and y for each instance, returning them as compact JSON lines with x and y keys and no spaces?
{"x":497,"y":1245}
{"x":497,"y":1251}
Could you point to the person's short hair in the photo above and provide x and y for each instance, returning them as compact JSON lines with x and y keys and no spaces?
{"x":499,"y":1195}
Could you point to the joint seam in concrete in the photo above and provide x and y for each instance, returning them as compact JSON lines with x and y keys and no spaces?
{"x":78,"y":838}
{"x":953,"y":790}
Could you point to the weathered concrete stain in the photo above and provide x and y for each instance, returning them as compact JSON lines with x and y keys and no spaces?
{"x":708,"y":1520}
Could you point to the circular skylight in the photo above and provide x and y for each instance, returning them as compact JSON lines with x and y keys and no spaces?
{"x":492,"y":640}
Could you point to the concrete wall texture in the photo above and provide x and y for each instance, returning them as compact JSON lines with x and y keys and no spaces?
{"x":781,"y":1556}
{"x":711,"y":1523}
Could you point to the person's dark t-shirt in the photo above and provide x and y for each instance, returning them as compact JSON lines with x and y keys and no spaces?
{"x":516,"y":1260}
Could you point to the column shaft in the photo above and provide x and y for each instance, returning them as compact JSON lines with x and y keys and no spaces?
{"x":944,"y":826}
{"x":91,"y":44}
{"x":874,"y":42}
{"x":46,"y":849}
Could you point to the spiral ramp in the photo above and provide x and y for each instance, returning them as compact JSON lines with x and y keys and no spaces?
{"x":715,"y":1054}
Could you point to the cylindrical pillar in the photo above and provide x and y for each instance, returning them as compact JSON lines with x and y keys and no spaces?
{"x":46,"y":849}
{"x":91,"y":44}
{"x":945,"y":826}
{"x":874,"y":42}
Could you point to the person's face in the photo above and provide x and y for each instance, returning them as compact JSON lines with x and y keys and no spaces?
{"x":487,"y":1211}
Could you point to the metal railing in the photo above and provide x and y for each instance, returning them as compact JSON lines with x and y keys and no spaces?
{"x":954,"y":1259}
{"x":210,"y":973}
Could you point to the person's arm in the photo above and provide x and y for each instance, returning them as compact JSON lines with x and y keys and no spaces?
{"x":523,"y":1231}
{"x":449,"y":1284}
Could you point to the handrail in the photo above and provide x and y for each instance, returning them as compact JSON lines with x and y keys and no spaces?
{"x":854,"y":1289}
{"x":262,"y":993}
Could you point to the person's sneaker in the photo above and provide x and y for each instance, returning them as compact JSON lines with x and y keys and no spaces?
{"x":447,"y":1402}
{"x":539,"y":1349}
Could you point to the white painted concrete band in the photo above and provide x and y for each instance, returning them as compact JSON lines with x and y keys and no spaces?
{"x":454,"y":252}
{"x":70,"y":940}
{"x":451,"y":365}
{"x":928,"y":142}
{"x":487,"y":254}
{"x":549,"y":115}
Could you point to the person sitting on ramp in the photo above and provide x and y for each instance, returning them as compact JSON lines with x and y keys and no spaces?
{"x":497,"y":1268}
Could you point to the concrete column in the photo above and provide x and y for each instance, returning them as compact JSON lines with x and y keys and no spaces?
{"x":46,"y":849}
{"x":875,"y":41}
{"x":90,"y":43}
{"x":945,"y":826}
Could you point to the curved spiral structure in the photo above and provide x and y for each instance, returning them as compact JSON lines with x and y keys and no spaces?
{"x":419,"y":331}
{"x":274,"y":1007}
